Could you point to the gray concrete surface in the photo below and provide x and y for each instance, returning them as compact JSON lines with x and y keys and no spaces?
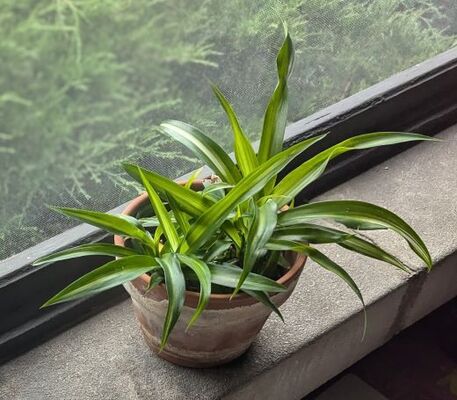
{"x":106,"y":358}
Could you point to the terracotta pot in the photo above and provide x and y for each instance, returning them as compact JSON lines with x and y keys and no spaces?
{"x":224,"y":331}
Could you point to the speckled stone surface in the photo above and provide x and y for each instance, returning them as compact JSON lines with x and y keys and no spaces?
{"x":105,"y":357}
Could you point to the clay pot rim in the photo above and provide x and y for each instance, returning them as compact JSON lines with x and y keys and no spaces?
{"x":297,"y":264}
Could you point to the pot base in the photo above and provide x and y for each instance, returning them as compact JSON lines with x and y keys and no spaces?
{"x":193,"y":360}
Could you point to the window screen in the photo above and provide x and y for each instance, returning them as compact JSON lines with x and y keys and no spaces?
{"x":84,"y":83}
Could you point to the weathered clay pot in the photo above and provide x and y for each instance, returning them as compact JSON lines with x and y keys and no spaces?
{"x":224,"y":331}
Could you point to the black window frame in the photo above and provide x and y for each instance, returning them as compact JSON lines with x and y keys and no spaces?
{"x":420,"y":99}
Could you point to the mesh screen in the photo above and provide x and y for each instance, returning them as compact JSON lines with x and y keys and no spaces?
{"x":83,"y":83}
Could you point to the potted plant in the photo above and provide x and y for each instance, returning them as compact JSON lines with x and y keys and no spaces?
{"x":207,"y":261}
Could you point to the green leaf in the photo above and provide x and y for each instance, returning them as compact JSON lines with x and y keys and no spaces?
{"x":195,"y":175}
{"x":353,"y":212}
{"x":216,"y":187}
{"x":259,"y":233}
{"x":376,"y":139}
{"x":180,"y":217}
{"x":309,"y":233}
{"x":218,"y":248}
{"x":155,"y":280}
{"x":368,"y":249}
{"x":211,"y":220}
{"x":191,"y":202}
{"x":205,"y":148}
{"x":176,"y":287}
{"x":161,"y":212}
{"x":244,"y":153}
{"x":279,"y":199}
{"x":263,"y":298}
{"x":275,"y":119}
{"x":92,"y":249}
{"x":157,"y":236}
{"x":325,"y":262}
{"x":227,"y":275}
{"x":204,"y":278}
{"x":105,"y":277}
{"x":112,"y":223}
{"x":361,"y":226}
{"x":151,"y":222}
{"x":232,"y":233}
{"x":312,"y":233}
{"x":309,"y":172}
{"x":295,"y":181}
{"x":319,"y":258}
{"x":132,"y":220}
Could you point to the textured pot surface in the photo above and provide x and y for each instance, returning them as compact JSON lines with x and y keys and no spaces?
{"x":225,"y":329}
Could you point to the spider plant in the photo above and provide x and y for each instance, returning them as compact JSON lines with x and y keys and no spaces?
{"x":232,"y":235}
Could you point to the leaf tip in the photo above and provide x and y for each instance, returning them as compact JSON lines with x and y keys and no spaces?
{"x":164,"y":124}
{"x":213,"y":86}
{"x":128,"y":166}
{"x":163,"y":343}
{"x":37,"y":262}
{"x":279,"y":314}
{"x":365,"y":322}
{"x":47,"y":304}
{"x":189,"y":325}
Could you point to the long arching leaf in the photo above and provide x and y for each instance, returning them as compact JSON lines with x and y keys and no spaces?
{"x":105,"y":277}
{"x":204,"y":278}
{"x":262,"y":297}
{"x":259,"y":233}
{"x":161,"y":212}
{"x":179,"y":216}
{"x":368,"y":249}
{"x":205,"y":148}
{"x":295,"y":181}
{"x":326,"y":263}
{"x":244,"y":153}
{"x":92,"y":249}
{"x":357,"y":211}
{"x":176,"y":287}
{"x":314,"y":171}
{"x":361,"y":226}
{"x":191,"y":202}
{"x":309,"y":233}
{"x":117,"y":224}
{"x":275,"y":119}
{"x":227,"y":275}
{"x":319,"y":258}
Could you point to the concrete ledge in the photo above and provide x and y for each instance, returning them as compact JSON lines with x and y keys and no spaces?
{"x":106,"y":358}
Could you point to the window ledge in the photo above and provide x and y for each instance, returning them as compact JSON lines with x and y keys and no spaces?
{"x":105,"y":357}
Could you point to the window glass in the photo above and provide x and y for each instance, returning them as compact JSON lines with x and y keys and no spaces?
{"x":84,"y":83}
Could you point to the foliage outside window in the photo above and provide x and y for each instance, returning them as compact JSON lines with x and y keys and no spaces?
{"x":81,"y":84}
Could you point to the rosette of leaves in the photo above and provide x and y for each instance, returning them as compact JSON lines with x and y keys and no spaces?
{"x":231,"y":236}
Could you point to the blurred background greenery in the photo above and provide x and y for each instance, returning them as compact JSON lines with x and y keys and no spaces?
{"x":84,"y":82}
